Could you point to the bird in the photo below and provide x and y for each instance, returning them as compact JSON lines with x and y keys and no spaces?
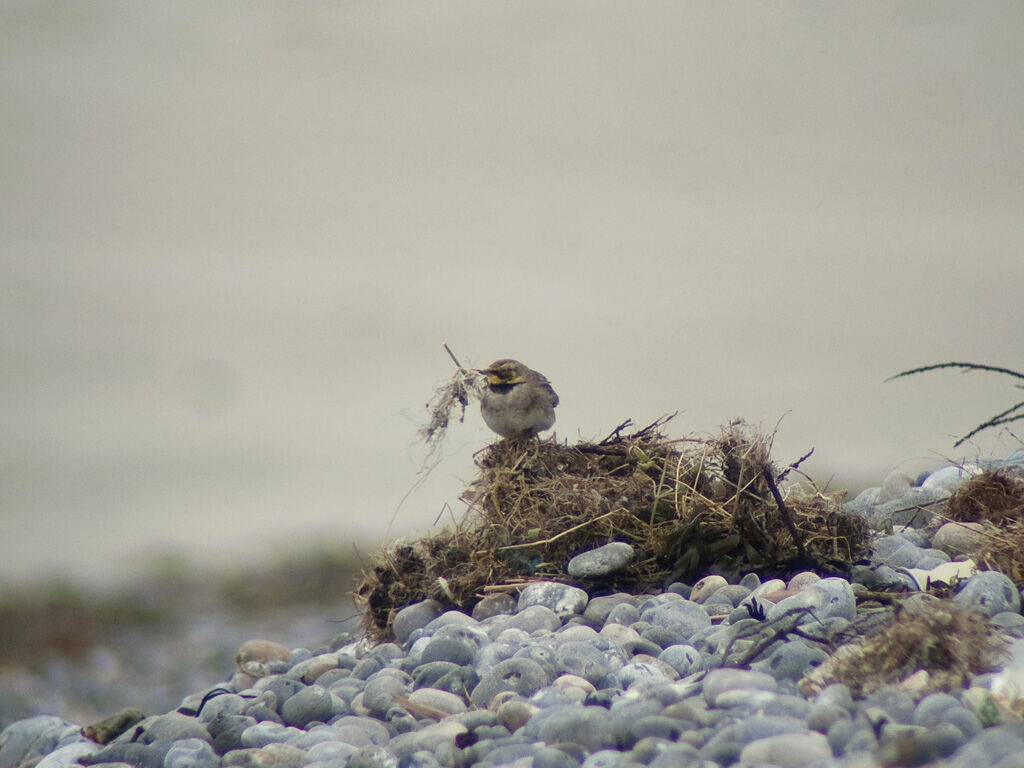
{"x":517,"y":402}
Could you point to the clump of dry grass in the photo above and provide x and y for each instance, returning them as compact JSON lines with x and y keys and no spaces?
{"x":949,"y":642}
{"x":688,"y":507}
{"x":996,"y":500}
{"x":988,"y":496}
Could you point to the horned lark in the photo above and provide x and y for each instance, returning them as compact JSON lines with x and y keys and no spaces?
{"x":517,"y":402}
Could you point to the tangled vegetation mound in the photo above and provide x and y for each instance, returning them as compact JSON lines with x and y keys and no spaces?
{"x":944,"y":644}
{"x":996,"y":500}
{"x":688,"y":507}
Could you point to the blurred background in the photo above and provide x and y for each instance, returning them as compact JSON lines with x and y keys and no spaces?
{"x":234,"y":237}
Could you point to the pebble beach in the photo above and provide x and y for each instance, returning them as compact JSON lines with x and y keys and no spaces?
{"x":714,"y":673}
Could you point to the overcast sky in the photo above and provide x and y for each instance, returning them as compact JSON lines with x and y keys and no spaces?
{"x":234,"y":237}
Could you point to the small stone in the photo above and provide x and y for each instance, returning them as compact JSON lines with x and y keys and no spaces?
{"x":787,"y":750}
{"x":684,"y":659}
{"x":520,"y":675}
{"x":599,"y":608}
{"x":720,"y":681}
{"x":443,"y":701}
{"x":950,"y":478}
{"x":415,"y":616}
{"x":381,"y":689}
{"x":990,"y":592}
{"x":270,"y":756}
{"x":681,"y":616}
{"x":827,"y":598}
{"x":515,"y":713}
{"x":895,"y":486}
{"x":533,"y":619}
{"x":563,"y":599}
{"x":602,"y":561}
{"x":191,"y":753}
{"x":495,"y":605}
{"x":255,"y":656}
{"x":623,"y":613}
{"x":451,"y":649}
{"x":960,"y":538}
{"x":312,"y":704}
{"x":582,"y":659}
{"x":704,"y":588}
{"x":70,"y":756}
{"x":802,"y":580}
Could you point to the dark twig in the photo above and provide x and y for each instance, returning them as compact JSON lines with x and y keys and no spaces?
{"x":997,"y":420}
{"x":784,"y":511}
{"x":454,"y":359}
{"x":795,"y":465}
{"x":965,"y":366}
{"x":775,"y":634}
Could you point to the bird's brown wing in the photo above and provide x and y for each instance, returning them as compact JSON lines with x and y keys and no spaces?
{"x":546,"y":386}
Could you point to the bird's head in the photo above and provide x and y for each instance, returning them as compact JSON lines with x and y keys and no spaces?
{"x":504,"y":372}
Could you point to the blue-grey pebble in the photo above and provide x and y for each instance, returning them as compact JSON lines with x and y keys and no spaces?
{"x":563,"y":599}
{"x":456,"y":650}
{"x":623,"y":613}
{"x":283,"y":688}
{"x":684,"y":659}
{"x":658,"y":639}
{"x":311,"y":704}
{"x":495,"y":605}
{"x":380,"y":690}
{"x":644,"y":645}
{"x":543,"y":654}
{"x":1009,"y":623}
{"x":721,"y":681}
{"x":840,"y":733}
{"x":69,"y":755}
{"x":788,"y":750}
{"x":172,"y":727}
{"x":533,"y":619}
{"x":656,"y":726}
{"x":942,"y":740}
{"x":963,"y":719}
{"x":587,"y":726}
{"x":331,"y":752}
{"x":990,"y":592}
{"x":929,"y":709}
{"x":415,"y":616}
{"x":582,"y":659}
{"x":897,"y":705}
{"x":33,"y":737}
{"x":823,"y":715}
{"x":226,"y":732}
{"x":863,"y":739}
{"x":605,"y":758}
{"x":425,"y":675}
{"x":520,"y":675}
{"x":827,"y":598}
{"x":227,"y":704}
{"x":601,"y":561}
{"x":551,"y":757}
{"x":990,"y":747}
{"x":191,"y":753}
{"x":791,"y":660}
{"x":139,"y":755}
{"x":261,"y":734}
{"x":682,"y":617}
{"x":598,"y":608}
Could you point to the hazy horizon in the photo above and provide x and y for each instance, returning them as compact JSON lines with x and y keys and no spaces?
{"x":236,"y":236}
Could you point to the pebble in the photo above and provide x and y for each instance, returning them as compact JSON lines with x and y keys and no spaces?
{"x":602,"y":561}
{"x":558,"y":679}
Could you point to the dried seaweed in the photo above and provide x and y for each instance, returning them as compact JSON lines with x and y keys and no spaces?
{"x":687,"y":506}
